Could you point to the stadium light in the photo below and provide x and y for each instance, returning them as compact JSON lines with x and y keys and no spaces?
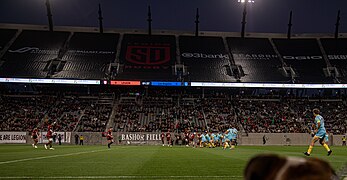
{"x":242,"y":1}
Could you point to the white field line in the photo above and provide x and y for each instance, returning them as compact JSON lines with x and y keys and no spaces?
{"x":122,"y":177}
{"x":46,"y":157}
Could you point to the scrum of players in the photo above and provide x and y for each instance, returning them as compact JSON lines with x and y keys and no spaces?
{"x":227,"y":139}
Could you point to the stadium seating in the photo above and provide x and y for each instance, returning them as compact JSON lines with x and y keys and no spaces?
{"x":305,"y":57}
{"x":89,"y":56}
{"x":5,"y":36}
{"x":258,"y":59}
{"x":206,"y":58}
{"x":336,"y":52}
{"x":31,"y":54}
{"x":144,"y":57}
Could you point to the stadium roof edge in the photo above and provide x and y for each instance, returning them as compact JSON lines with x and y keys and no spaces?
{"x":166,"y":32}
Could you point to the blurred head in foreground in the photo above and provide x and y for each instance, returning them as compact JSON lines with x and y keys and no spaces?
{"x":274,"y":167}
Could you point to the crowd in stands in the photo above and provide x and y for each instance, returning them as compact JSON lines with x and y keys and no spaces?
{"x":68,"y":113}
{"x":216,"y":111}
{"x":23,"y":113}
{"x":175,"y":110}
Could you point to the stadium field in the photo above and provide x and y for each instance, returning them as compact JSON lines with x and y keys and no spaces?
{"x":142,"y":162}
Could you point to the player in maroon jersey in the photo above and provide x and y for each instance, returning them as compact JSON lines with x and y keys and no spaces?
{"x":193,"y":139}
{"x":162,"y":136}
{"x":35,"y":136}
{"x":199,"y":139}
{"x":186,"y":138}
{"x":109,"y":137}
{"x":168,"y":138}
{"x":49,"y":137}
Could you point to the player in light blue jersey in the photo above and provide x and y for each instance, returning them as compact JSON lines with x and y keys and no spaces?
{"x":224,"y":142}
{"x":233,"y":137}
{"x":212,"y":136}
{"x":208,"y":139}
{"x":228,"y":136}
{"x":216,"y":139}
{"x":203,"y":140}
{"x":320,"y":133}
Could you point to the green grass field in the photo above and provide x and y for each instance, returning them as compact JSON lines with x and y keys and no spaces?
{"x":141,"y":162}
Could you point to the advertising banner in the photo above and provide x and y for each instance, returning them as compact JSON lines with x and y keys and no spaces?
{"x":12,"y":137}
{"x":65,"y":137}
{"x":139,"y":138}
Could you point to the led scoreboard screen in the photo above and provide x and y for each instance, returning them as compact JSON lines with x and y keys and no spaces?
{"x":164,"y":83}
{"x":125,"y":83}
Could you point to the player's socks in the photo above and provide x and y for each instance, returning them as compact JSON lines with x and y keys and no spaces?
{"x":309,"y":149}
{"x":326,"y":147}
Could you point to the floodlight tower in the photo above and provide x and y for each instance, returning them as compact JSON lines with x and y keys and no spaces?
{"x":245,"y":2}
{"x":49,"y":15}
{"x":149,"y":20}
{"x":337,"y":25}
{"x":289,"y":33}
{"x":197,"y":22}
{"x":101,"y":28}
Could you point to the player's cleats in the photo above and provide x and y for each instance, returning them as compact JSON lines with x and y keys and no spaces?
{"x":45,"y":146}
{"x":306,"y":153}
{"x":329,"y":152}
{"x":51,"y":148}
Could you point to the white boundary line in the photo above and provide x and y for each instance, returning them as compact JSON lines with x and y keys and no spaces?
{"x":121,"y":177}
{"x":46,"y":157}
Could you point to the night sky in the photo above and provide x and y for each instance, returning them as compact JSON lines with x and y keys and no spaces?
{"x":270,"y":16}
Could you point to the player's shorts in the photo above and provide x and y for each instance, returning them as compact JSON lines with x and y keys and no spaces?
{"x":50,"y":139}
{"x":320,"y":134}
{"x":326,"y":139}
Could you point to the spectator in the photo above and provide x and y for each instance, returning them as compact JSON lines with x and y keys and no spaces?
{"x":81,"y":140}
{"x":59,"y":139}
{"x":76,"y":139}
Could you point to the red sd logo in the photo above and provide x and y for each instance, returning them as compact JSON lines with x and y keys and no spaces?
{"x":148,"y":54}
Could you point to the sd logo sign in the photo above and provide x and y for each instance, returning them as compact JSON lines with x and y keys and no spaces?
{"x":148,"y":54}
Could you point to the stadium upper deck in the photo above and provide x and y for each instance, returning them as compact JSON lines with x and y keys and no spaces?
{"x":30,"y":51}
